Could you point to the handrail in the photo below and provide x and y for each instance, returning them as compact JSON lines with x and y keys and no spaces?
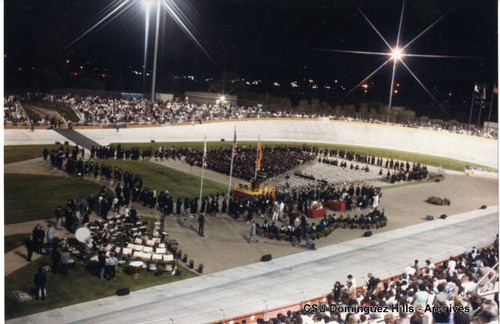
{"x":486,"y":275}
{"x":488,"y":293}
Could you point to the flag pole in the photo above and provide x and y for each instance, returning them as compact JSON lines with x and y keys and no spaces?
{"x":491,"y":105}
{"x":257,"y":159}
{"x":471,"y":106}
{"x":203,"y":167}
{"x":231,"y":168}
{"x":483,"y":97}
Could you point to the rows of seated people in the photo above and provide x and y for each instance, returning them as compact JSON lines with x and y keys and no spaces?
{"x":100,"y":110}
{"x":465,"y":282}
{"x":276,"y":160}
{"x":105,"y":111}
{"x":373,"y":219}
{"x":12,"y":114}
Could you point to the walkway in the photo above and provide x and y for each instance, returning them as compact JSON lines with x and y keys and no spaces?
{"x":78,"y":138}
{"x":284,"y":280}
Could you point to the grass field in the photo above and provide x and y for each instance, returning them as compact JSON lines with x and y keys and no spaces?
{"x":446,"y":163}
{"x":78,"y":286}
{"x":64,"y":110}
{"x":33,"y":197}
{"x":18,"y":153}
{"x":14,"y":241}
{"x":178,"y":183}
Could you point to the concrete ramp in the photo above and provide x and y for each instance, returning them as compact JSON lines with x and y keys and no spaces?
{"x":77,"y":138}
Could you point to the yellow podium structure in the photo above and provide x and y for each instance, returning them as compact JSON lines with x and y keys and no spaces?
{"x":252,"y":190}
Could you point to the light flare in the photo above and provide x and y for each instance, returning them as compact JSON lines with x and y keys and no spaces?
{"x":397,"y":54}
{"x":98,"y":24}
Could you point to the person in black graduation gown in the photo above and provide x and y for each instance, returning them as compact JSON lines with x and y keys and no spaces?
{"x":224,"y":206}
{"x":178,"y":207}
{"x":30,"y":246}
{"x":201,"y":224}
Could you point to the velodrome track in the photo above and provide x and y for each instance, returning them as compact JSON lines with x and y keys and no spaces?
{"x":284,"y":280}
{"x":461,"y":147}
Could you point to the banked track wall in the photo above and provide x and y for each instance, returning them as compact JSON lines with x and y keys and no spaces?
{"x":461,"y":147}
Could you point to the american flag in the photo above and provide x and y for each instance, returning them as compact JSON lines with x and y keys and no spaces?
{"x":235,"y":144}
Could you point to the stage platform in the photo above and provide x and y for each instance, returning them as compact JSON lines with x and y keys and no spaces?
{"x":247,"y":191}
{"x":284,"y":280}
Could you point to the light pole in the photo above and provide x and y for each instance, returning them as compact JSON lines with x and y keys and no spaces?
{"x":147,"y":4}
{"x":153,"y":87}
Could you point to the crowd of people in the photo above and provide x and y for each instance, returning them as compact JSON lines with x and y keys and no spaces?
{"x":275,"y":160}
{"x":461,"y":282}
{"x":310,"y":230}
{"x":396,"y":170}
{"x":96,"y":110}
{"x":291,"y":205}
{"x":129,"y":190}
{"x":12,"y":113}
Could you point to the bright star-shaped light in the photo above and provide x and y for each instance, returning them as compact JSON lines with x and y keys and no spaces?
{"x":397,"y":54}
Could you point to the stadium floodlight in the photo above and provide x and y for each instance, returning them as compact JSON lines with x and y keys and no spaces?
{"x":397,"y":53}
{"x":222,"y":98}
{"x":155,"y":59}
{"x":147,"y":3}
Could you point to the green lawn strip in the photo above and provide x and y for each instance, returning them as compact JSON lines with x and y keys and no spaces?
{"x":14,"y":241}
{"x":78,"y":286}
{"x":18,"y":153}
{"x":64,"y":110}
{"x":450,"y":164}
{"x":33,"y":197}
{"x":179,"y":184}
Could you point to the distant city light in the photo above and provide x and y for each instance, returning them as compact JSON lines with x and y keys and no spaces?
{"x":67,"y":61}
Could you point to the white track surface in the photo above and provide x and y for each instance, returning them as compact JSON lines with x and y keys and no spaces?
{"x":461,"y":147}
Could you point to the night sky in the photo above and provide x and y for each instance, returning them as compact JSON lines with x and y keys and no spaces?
{"x":276,"y":41}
